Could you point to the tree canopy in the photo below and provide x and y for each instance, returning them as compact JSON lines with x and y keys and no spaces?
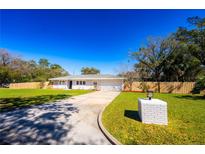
{"x":15,"y":69}
{"x":179,"y":57}
{"x":89,"y":70}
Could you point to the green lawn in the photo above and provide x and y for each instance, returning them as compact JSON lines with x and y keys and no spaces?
{"x":186,"y":115}
{"x":13,"y":98}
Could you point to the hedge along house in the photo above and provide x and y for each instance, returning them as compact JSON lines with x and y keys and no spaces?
{"x":95,"y":82}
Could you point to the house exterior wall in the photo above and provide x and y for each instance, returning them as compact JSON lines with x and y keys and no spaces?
{"x":60,"y":85}
{"x":104,"y":85}
{"x":110,"y":85}
{"x":88,"y":85}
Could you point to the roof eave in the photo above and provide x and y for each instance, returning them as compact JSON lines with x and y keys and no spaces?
{"x":55,"y":79}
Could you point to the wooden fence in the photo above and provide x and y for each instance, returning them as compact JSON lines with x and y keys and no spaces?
{"x":165,"y":87}
{"x":29,"y":85}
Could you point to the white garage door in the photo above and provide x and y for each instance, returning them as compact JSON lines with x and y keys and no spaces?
{"x":110,"y":85}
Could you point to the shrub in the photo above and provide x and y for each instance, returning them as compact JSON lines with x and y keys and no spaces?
{"x":199,"y":86}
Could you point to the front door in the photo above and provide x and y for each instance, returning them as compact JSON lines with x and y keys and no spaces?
{"x":70,"y":84}
{"x":95,"y":85}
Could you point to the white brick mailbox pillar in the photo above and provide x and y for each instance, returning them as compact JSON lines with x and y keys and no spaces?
{"x":153,"y":111}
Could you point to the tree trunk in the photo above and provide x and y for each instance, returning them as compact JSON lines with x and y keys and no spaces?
{"x":158,"y":86}
{"x":158,"y":80}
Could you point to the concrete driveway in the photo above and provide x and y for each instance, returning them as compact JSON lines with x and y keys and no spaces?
{"x":70,"y":121}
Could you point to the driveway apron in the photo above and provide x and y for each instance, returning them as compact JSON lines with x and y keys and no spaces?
{"x":69,"y":121}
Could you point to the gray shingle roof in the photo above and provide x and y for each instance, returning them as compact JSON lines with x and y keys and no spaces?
{"x":88,"y":77}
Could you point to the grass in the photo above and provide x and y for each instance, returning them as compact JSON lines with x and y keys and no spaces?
{"x":186,"y":125}
{"x":13,"y":98}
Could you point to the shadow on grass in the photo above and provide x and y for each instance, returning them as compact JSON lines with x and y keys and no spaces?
{"x":191,"y":97}
{"x":132,"y":114}
{"x":11,"y":103}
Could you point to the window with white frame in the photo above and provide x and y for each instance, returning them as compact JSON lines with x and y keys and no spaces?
{"x":61,"y":82}
{"x":80,"y":82}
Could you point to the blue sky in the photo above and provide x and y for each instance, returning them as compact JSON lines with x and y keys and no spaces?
{"x":78,"y":38}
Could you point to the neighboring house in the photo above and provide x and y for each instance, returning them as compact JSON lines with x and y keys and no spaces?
{"x":97,"y":82}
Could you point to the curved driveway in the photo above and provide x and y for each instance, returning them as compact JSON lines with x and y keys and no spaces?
{"x":70,"y":121}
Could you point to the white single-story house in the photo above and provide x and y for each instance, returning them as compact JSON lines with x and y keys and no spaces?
{"x":95,"y":82}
